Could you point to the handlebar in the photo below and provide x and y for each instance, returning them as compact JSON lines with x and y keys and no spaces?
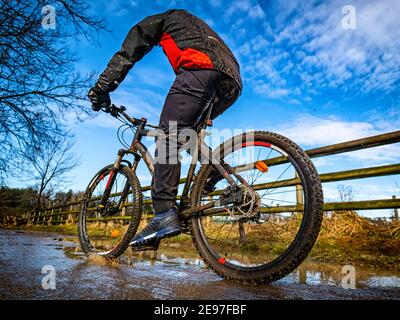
{"x":117,"y":111}
{"x":113,"y":109}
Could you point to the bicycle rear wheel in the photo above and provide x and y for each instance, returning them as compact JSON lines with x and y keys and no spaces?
{"x":108,"y":232}
{"x":272,"y":243}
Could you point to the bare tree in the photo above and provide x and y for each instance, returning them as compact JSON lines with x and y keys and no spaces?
{"x":345,"y":192}
{"x":38,"y":82}
{"x":50,"y":166}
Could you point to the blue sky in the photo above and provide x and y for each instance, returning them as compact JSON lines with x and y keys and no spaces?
{"x":305,"y":76}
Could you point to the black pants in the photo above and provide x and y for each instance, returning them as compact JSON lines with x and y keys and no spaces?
{"x":190,"y":94}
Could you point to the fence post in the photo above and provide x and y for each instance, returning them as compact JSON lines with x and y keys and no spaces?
{"x":209,"y":218}
{"x":35,"y":216}
{"x":395,"y":211}
{"x":299,"y":191}
{"x":123,"y":212}
{"x":29,"y":216}
{"x":50,"y":218}
{"x":59,"y":217}
{"x":70,"y":219}
{"x":302,"y":275}
{"x":67,"y":216}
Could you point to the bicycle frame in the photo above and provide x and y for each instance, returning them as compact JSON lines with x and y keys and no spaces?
{"x":139,"y":151}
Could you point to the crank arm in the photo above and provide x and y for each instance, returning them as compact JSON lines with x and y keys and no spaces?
{"x":207,"y":209}
{"x":186,"y":214}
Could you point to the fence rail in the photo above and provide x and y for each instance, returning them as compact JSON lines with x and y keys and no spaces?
{"x":68,"y":213}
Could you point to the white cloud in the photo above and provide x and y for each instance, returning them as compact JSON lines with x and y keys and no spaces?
{"x":330,"y":193}
{"x":313,"y":47}
{"x":236,"y":6}
{"x":314,"y":131}
{"x":215,"y":3}
{"x":138,"y":102}
{"x":270,"y":91}
{"x":322,"y":162}
{"x":256,"y":12}
{"x":361,"y":191}
{"x":250,"y":7}
{"x":311,"y":131}
{"x":103,"y":120}
{"x":152,"y":76}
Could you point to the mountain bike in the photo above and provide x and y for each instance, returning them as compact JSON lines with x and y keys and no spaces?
{"x":253,"y":210}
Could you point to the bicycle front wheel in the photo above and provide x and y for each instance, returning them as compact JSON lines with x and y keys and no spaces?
{"x":271,"y":243}
{"x":107,"y":232}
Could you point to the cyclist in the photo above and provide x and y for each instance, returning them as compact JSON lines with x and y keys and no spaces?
{"x":207,"y":74}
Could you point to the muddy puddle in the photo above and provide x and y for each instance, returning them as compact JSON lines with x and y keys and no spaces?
{"x":311,"y":273}
{"x":171,"y":273}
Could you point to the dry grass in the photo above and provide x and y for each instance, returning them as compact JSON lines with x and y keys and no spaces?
{"x":347,"y":237}
{"x":348,"y":228}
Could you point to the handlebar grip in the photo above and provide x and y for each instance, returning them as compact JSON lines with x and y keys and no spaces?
{"x":96,"y":108}
{"x":115,"y":111}
{"x":109,"y":109}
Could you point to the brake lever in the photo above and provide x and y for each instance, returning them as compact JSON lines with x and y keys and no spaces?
{"x":105,"y":109}
{"x":114,"y":110}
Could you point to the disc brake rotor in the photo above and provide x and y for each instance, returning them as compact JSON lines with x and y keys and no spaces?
{"x":248,"y":208}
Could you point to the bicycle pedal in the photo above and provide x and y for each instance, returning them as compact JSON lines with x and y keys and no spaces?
{"x":147,"y":246}
{"x":144,"y":248}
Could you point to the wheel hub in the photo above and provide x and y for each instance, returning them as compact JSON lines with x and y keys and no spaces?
{"x":109,"y":210}
{"x":250,"y":205}
{"x":244,"y":202}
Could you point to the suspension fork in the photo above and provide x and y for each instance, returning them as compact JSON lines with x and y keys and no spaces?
{"x":111,"y":180}
{"x":140,"y":132}
{"x":127,"y":186}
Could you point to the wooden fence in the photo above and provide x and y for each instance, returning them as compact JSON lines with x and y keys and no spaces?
{"x":68,"y":213}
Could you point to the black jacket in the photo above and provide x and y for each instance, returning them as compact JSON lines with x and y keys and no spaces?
{"x":188,"y":43}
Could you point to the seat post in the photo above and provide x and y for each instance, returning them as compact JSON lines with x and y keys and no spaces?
{"x":203,"y":120}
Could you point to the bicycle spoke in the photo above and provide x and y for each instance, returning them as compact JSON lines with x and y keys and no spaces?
{"x":267,"y":192}
{"x":279,"y":200}
{"x":236,"y":245}
{"x":294,"y":190}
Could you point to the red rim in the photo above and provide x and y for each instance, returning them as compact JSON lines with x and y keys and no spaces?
{"x":110,"y":177}
{"x":256,"y":144}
